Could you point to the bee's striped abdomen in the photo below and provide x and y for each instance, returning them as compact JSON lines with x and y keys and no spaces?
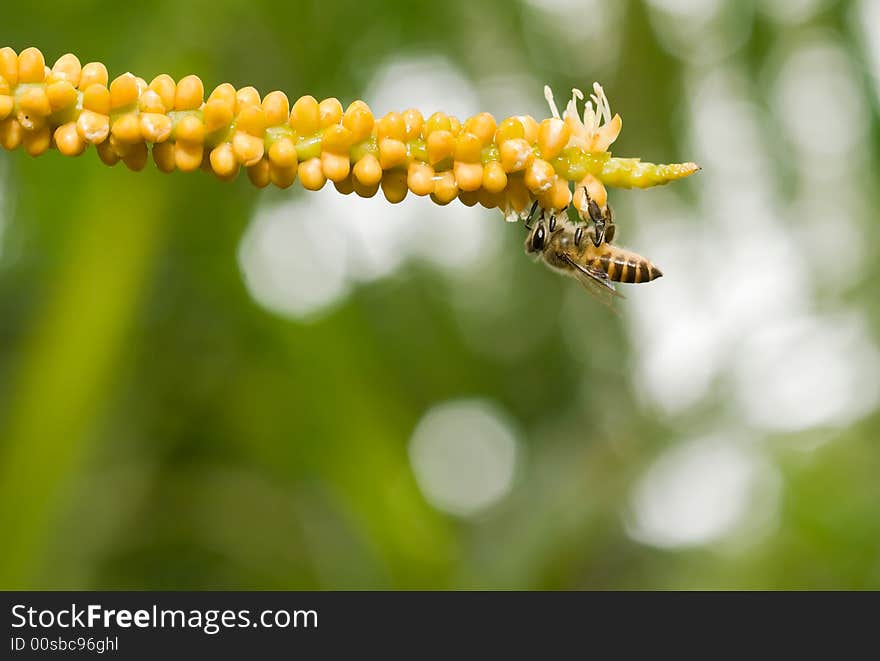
{"x":626,"y":267}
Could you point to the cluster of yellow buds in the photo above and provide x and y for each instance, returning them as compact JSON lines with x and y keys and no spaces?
{"x":507,"y":165}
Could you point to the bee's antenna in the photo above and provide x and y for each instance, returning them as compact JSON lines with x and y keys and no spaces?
{"x":531,"y":216}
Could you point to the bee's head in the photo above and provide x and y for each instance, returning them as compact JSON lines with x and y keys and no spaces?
{"x":540,"y":234}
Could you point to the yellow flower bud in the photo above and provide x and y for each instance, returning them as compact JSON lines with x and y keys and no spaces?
{"x":540,"y":176}
{"x":6,"y":105}
{"x":420,"y":178}
{"x":155,"y":127}
{"x":468,"y":198}
{"x":311,"y":175}
{"x":437,"y":122}
{"x":36,"y":142}
{"x":276,"y":108}
{"x":31,"y":66}
{"x":553,"y":135}
{"x":123,"y":92}
{"x":10,"y":133}
{"x":282,"y":153}
{"x":258,"y":173}
{"x":440,"y":144}
{"x":516,"y":154}
{"x":108,"y":155}
{"x":190,"y":129}
{"x":226,"y":94}
{"x":163,"y":156}
{"x":35,"y":102}
{"x":394,"y":186}
{"x":150,"y":101}
{"x":391,"y":153}
{"x":413,"y":122}
{"x":468,"y":176}
{"x":335,"y":166}
{"x":283,"y":177}
{"x":494,"y":177}
{"x":189,"y":93}
{"x":359,"y":120}
{"x":368,"y":171}
{"x":468,"y":148}
{"x":330,"y":112}
{"x":67,"y":68}
{"x":136,"y":158}
{"x":337,"y":139}
{"x":483,"y":126}
{"x":97,"y":99}
{"x":61,"y":95}
{"x":245,"y":97}
{"x":126,"y":128}
{"x":223,"y":161}
{"x":248,"y":148}
{"x":187,"y":155}
{"x":530,"y":127}
{"x":217,"y":114}
{"x":592,"y":187}
{"x":305,"y":116}
{"x":510,"y":129}
{"x":445,"y":188}
{"x":391,"y":126}
{"x":68,"y":140}
{"x":93,"y":73}
{"x":93,"y":127}
{"x":9,"y":65}
{"x":364,"y":190}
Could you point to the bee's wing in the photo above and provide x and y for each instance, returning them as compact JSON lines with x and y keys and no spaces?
{"x":596,"y":282}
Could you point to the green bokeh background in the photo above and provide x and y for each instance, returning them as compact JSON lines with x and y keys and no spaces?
{"x":160,"y":429}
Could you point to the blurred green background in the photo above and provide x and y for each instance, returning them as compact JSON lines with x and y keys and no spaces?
{"x":204,"y":385}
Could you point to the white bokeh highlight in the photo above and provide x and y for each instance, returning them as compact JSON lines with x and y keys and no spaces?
{"x":464,"y":456}
{"x":700,"y":492}
{"x":818,"y":100}
{"x":588,"y":32}
{"x":292,"y":261}
{"x":807,"y":373}
{"x":866,"y":19}
{"x":734,"y":311}
{"x":700,"y":32}
{"x":302,"y":256}
{"x":792,"y":12}
{"x":428,"y":83}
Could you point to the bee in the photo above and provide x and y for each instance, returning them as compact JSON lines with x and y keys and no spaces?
{"x":586,"y":254}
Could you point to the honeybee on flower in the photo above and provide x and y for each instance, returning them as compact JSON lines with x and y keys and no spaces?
{"x":515,"y":165}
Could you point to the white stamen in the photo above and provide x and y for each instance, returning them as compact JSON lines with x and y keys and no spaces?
{"x":597,"y":113}
{"x":601,"y":101}
{"x":590,"y":118}
{"x":548,"y":94}
{"x":571,"y":110}
{"x":510,"y":214}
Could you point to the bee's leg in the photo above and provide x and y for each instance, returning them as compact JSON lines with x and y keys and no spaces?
{"x":609,"y":228}
{"x":598,"y":223}
{"x":531,"y":216}
{"x":597,"y":218}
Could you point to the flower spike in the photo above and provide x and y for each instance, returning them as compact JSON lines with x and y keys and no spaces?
{"x":508,"y":165}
